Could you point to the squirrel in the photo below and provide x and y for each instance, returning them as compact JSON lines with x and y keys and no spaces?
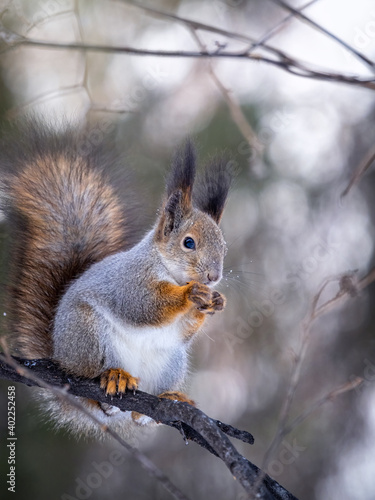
{"x":84,"y":294}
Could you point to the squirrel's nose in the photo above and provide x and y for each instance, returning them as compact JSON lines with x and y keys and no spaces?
{"x":213,"y":276}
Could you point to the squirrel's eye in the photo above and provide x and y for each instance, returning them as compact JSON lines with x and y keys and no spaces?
{"x":189,"y":243}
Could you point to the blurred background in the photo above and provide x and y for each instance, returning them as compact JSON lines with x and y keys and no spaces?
{"x":294,"y":143}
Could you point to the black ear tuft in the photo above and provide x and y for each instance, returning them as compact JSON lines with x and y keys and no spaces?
{"x":173,"y":212}
{"x":212,"y":187}
{"x":182,"y":173}
{"x":177,"y":205}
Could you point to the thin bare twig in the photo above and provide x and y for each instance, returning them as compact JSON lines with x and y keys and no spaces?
{"x":196,"y":25}
{"x":349,"y":286}
{"x":104,"y":109}
{"x":40,"y":22}
{"x":330,"y":396}
{"x":367,"y":280}
{"x":287,"y":63}
{"x":363,"y":166}
{"x":44,"y":97}
{"x":276,"y":29}
{"x":348,"y":283}
{"x":234,"y":106}
{"x":244,"y":38}
{"x":303,"y":17}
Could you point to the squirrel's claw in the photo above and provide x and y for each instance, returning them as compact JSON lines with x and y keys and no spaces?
{"x":117,"y":381}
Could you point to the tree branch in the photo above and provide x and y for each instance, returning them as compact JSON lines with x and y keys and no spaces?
{"x":190,"y":421}
{"x":349,"y":286}
{"x":320,"y":28}
{"x":273,"y":31}
{"x":280,"y":59}
{"x":361,"y":169}
{"x":62,"y":393}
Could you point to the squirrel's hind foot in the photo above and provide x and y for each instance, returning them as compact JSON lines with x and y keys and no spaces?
{"x":177,"y":396}
{"x":117,"y":381}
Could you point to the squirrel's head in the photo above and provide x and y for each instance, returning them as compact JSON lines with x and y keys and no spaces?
{"x":187,"y":234}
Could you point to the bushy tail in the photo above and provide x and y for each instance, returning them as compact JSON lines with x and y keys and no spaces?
{"x":64,"y":215}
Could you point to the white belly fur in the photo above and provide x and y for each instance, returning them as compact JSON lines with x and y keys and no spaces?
{"x":145,"y":352}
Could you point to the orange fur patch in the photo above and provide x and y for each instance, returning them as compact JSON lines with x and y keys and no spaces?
{"x":177,"y":396}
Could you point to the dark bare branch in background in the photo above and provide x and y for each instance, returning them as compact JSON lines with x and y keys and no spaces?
{"x":234,"y":106}
{"x":279,"y":59}
{"x":349,"y":286}
{"x":320,"y":28}
{"x":256,"y":50}
{"x":361,"y":169}
{"x":330,"y":396}
{"x":284,"y":22}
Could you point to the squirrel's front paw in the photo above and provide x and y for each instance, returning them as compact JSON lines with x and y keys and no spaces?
{"x":200,"y":294}
{"x":218,"y":301}
{"x":116,"y":381}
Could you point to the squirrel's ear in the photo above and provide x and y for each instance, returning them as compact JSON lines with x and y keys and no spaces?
{"x":174,"y":212}
{"x":182,"y":174}
{"x":179,"y":190}
{"x":212,"y":187}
